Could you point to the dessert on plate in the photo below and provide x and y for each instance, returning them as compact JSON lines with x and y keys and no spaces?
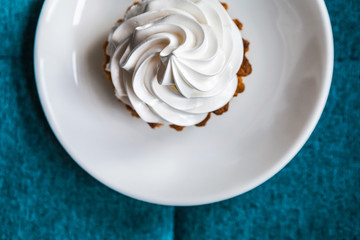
{"x":176,"y":62}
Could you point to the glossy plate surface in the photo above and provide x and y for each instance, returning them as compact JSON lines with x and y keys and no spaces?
{"x":292,"y":56}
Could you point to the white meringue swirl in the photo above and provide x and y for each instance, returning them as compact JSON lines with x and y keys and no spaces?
{"x":174,"y":61}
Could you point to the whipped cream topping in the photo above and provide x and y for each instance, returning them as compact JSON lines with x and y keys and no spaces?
{"x":174,"y":61}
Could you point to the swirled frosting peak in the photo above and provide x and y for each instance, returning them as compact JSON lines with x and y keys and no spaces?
{"x":174,"y":61}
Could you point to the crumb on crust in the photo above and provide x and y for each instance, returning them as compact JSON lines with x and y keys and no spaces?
{"x":238,"y":24}
{"x":203,"y":123}
{"x":246,"y":68}
{"x":155,"y":125}
{"x":240,"y":87}
{"x":246,"y":44}
{"x":222,"y":110}
{"x":225,"y":5}
{"x":176,"y":127}
{"x":132,"y":111}
{"x":135,"y":3}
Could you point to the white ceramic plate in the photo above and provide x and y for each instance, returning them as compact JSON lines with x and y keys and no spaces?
{"x":292,"y":56}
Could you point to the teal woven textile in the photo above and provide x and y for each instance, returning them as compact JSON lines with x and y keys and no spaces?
{"x":45,"y":195}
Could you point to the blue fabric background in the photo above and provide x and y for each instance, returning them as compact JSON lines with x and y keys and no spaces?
{"x":45,"y":195}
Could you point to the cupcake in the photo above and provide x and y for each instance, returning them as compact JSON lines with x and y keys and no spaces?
{"x":176,"y":62}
